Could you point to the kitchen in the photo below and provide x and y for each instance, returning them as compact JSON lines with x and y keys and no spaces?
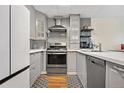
{"x":62,"y":46}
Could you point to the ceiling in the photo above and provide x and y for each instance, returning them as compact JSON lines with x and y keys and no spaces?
{"x":93,"y":11}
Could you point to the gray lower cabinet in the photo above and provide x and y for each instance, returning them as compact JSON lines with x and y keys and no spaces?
{"x":71,"y":62}
{"x":42,"y":65}
{"x":35,"y":67}
{"x":81,"y":68}
{"x":114,"y":75}
{"x":98,"y":73}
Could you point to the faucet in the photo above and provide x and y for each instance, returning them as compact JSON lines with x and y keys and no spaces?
{"x":99,"y":45}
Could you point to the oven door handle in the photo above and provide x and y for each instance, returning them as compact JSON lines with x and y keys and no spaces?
{"x":57,"y":53}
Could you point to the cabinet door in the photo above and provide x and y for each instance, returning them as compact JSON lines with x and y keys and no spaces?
{"x":35,"y":68}
{"x":114,"y":76}
{"x":81,"y":68}
{"x":78,"y":69}
{"x":75,"y":21}
{"x":74,"y":32}
{"x":39,"y":29}
{"x":4,"y":41}
{"x":71,"y":62}
{"x":74,"y":36}
{"x":42,"y":61}
{"x":20,"y":27}
{"x":40,"y":26}
{"x":32,"y":22}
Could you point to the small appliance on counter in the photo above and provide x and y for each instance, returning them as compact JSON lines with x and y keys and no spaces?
{"x":122,"y":46}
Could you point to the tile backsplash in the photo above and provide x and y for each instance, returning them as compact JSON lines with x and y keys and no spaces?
{"x":37,"y":44}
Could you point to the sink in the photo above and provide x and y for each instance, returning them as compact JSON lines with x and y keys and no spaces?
{"x":92,"y":51}
{"x":96,"y":51}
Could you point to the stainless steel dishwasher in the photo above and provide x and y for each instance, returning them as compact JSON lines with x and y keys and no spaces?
{"x":96,"y":69}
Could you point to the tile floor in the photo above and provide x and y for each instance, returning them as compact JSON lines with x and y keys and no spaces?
{"x":52,"y":81}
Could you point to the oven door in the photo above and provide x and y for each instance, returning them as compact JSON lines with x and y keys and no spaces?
{"x":56,"y":60}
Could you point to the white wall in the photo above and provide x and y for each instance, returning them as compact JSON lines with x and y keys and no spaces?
{"x":108,"y":31}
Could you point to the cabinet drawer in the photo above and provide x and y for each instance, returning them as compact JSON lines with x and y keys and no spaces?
{"x":34,"y":70}
{"x":35,"y":58}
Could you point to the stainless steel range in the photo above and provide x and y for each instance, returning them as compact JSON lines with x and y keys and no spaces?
{"x":56,"y":63}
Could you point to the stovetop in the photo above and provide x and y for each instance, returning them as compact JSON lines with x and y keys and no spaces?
{"x":57,"y":50}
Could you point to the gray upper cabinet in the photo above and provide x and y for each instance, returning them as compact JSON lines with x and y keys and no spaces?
{"x":20,"y":35}
{"x":74,"y":28}
{"x":74,"y":21}
{"x":38,"y":24}
{"x":4,"y":41}
{"x":74,"y":31}
{"x":41,"y":26}
{"x":32,"y":21}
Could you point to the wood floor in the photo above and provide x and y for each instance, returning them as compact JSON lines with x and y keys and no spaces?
{"x":57,"y":81}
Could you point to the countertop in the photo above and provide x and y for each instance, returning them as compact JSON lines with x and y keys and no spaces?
{"x":110,"y":56}
{"x":36,"y":50}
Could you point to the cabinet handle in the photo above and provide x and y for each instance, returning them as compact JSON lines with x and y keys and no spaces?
{"x":118,"y":68}
{"x":93,"y":62}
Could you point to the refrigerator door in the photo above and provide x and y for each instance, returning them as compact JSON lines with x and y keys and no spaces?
{"x":20,"y":33}
{"x":4,"y":41}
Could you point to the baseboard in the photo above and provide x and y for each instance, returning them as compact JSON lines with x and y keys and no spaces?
{"x":43,"y":72}
{"x":71,"y":73}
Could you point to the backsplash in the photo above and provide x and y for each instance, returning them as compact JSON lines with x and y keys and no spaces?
{"x":37,"y":44}
{"x":56,"y":37}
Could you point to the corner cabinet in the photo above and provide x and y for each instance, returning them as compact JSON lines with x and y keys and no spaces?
{"x":41,"y":26}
